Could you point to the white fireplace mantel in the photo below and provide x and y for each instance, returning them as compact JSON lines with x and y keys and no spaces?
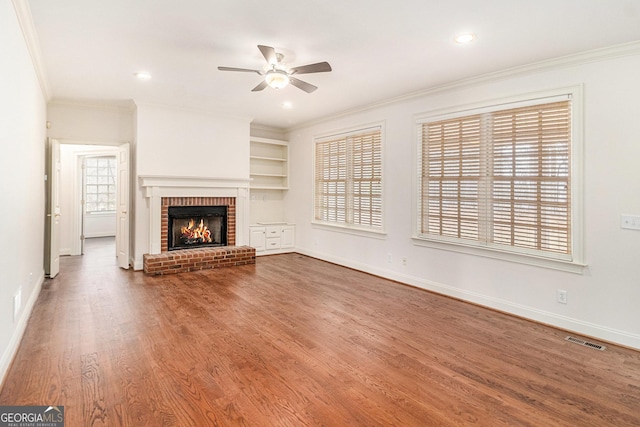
{"x":156,"y":187}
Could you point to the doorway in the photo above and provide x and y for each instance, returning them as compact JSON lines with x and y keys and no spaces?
{"x":93,"y":194}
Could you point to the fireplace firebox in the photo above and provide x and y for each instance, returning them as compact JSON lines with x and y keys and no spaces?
{"x":196,"y":226}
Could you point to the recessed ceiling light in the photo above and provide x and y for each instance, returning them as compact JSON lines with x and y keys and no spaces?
{"x":287,"y":105}
{"x":464,"y":38}
{"x":143,"y":75}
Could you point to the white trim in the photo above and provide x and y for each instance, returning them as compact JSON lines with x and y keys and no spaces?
{"x":349,"y":229}
{"x":175,"y":182}
{"x":25,"y":19}
{"x":502,"y":255}
{"x":14,"y":343}
{"x":576,"y":262}
{"x":352,"y":130}
{"x":548,"y":318}
{"x":497,"y":104}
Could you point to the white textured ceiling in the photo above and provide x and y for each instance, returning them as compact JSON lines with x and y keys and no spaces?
{"x":378,"y":49}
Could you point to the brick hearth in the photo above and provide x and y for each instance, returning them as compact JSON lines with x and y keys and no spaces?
{"x":186,"y":260}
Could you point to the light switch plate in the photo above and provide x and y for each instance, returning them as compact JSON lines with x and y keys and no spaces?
{"x":630,"y":222}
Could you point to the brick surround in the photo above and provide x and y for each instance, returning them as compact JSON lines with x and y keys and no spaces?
{"x":202,"y":258}
{"x":229,"y":202}
{"x":185,"y":260}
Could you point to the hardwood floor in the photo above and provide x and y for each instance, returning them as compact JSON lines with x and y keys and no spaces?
{"x":294,"y":341}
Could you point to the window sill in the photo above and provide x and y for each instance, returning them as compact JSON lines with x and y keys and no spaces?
{"x":101,"y":213}
{"x":494,"y":253}
{"x":366,"y":232}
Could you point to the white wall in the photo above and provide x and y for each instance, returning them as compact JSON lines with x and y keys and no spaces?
{"x":603,"y":301}
{"x":22,"y":139}
{"x":100,"y":225}
{"x":184,"y":143}
{"x":91,"y":123}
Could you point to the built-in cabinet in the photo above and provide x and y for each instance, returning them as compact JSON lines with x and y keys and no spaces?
{"x":269,"y":164}
{"x":269,"y":170}
{"x":272,"y":238}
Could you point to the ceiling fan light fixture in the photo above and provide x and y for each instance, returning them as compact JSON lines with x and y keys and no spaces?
{"x":277,"y":79}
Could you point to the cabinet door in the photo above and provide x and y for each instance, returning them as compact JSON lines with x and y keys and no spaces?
{"x":257,"y":238}
{"x":287,"y":237}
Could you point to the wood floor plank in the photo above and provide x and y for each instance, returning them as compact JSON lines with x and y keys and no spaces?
{"x":294,"y":341}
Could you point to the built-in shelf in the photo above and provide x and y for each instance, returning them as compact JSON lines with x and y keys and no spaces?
{"x":269,"y":164}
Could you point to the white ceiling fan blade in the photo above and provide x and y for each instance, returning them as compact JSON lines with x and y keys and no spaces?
{"x":320,"y":67}
{"x":245,"y":70}
{"x":261,"y":86}
{"x":269,"y":54}
{"x":307,"y":87}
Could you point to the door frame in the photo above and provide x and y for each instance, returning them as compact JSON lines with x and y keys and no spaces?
{"x":92,"y":148}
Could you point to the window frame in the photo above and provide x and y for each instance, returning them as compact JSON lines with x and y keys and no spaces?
{"x":348,"y":227}
{"x":86,"y":184}
{"x":573,"y":263}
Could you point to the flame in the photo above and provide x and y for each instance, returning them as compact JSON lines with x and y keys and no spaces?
{"x":199,"y":234}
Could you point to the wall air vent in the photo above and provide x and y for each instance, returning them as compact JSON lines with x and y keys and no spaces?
{"x":585,"y":343}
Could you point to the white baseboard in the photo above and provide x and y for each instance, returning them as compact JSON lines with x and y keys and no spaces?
{"x":566,"y":323}
{"x":18,"y":332}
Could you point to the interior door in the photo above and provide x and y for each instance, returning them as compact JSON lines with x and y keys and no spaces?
{"x":52,"y":264}
{"x":122,"y":209}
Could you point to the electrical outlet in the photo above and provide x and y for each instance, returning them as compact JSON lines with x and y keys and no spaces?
{"x":404,"y":260}
{"x":561,"y":296}
{"x":389,"y":258}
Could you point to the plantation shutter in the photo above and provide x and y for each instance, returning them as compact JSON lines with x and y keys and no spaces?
{"x":531,"y":177}
{"x":500,"y":178}
{"x":366,"y":179}
{"x":331,"y":181}
{"x":348,"y":179}
{"x":451,"y":177}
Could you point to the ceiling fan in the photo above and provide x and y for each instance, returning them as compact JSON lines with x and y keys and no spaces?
{"x":279,"y":75}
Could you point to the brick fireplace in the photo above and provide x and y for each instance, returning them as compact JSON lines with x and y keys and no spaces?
{"x":166,"y":202}
{"x":164,"y":192}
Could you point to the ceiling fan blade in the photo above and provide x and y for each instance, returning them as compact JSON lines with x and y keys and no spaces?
{"x":302,"y":85}
{"x":246,"y":70}
{"x":269,"y":54}
{"x":320,"y":67}
{"x":261,"y":86}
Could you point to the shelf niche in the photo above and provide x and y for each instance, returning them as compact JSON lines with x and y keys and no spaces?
{"x":269,"y":164}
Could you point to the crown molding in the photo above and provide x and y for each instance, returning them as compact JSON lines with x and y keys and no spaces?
{"x":25,"y":19}
{"x":193,"y":110}
{"x":98,"y":104}
{"x":596,"y":55}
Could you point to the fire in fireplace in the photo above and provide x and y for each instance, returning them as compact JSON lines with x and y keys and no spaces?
{"x":196,"y":226}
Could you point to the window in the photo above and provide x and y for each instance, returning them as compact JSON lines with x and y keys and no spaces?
{"x":500,"y":178}
{"x":348,"y":179}
{"x":100,"y":184}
